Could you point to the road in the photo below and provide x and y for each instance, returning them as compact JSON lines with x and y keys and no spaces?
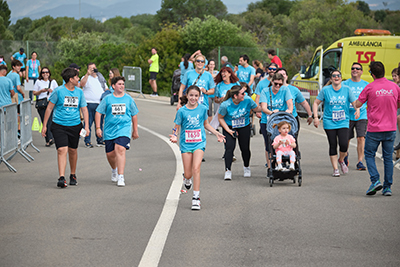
{"x":244,"y":222}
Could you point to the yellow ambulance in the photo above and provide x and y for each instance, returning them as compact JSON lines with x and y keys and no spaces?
{"x":369,"y":45}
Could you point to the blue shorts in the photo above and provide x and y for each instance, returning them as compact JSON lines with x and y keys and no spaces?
{"x":192,"y":151}
{"x":122,"y":141}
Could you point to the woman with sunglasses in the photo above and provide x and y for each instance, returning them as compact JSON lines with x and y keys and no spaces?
{"x":337,"y":99}
{"x":234,"y":117}
{"x":42,"y":89}
{"x":274,"y":98}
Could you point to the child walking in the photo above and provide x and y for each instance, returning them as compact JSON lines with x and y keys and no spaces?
{"x":284,"y":144}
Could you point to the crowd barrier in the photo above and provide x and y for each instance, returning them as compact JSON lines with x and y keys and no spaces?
{"x":26,"y":129}
{"x":8,"y":134}
{"x":133,"y":79}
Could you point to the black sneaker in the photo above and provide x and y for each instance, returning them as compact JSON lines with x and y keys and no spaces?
{"x":61,"y":182}
{"x":72,"y":180}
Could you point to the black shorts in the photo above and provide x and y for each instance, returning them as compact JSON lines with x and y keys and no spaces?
{"x":153,"y":75}
{"x":122,"y":141}
{"x":22,"y":69}
{"x":263,"y":128}
{"x":360,"y":126}
{"x":66,"y":135}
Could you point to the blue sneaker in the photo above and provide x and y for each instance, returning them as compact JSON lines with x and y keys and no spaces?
{"x":346,"y":159}
{"x":374,"y":188}
{"x":360,"y":166}
{"x":387,"y":192}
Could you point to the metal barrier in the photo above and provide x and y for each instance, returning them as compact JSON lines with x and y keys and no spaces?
{"x":26,"y":129}
{"x":8,"y":133}
{"x":133,"y":79}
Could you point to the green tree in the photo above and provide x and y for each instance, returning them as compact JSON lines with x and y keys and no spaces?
{"x":363,"y":7}
{"x":5,"y":34}
{"x":380,"y":15}
{"x":145,"y":21}
{"x":392,"y":22}
{"x":178,"y":11}
{"x":275,"y":7}
{"x":117,"y":25}
{"x":5,"y":13}
{"x":20,"y":28}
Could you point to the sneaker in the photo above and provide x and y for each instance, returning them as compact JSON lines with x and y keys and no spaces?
{"x":373,"y":188}
{"x":154,"y":95}
{"x":291,"y":167}
{"x":72,"y":180}
{"x":234,"y":158}
{"x":247,"y":172}
{"x":102,"y":144}
{"x":121,"y":181}
{"x":188,"y":183}
{"x":114,"y":176}
{"x":343,"y":167}
{"x":61,"y":182}
{"x":387,"y":192}
{"x":196,"y":204}
{"x":346,"y":159}
{"x":88,"y":145}
{"x":228,"y":175}
{"x":279,"y":167}
{"x":360,"y":166}
{"x":336,"y":173}
{"x":397,"y":147}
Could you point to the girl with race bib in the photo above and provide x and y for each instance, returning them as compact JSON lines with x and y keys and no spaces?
{"x":192,"y":121}
{"x":234,"y":117}
{"x":337,"y":99}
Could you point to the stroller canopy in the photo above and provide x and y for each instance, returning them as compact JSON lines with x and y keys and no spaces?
{"x":277,"y":118}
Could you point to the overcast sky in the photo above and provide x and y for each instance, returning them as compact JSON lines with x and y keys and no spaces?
{"x":22,"y":8}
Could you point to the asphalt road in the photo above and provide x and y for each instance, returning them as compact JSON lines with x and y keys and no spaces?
{"x":244,"y":222}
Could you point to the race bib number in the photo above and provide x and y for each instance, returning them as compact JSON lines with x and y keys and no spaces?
{"x":238,"y":123}
{"x":33,"y":74}
{"x":118,"y":109}
{"x":338,"y":115}
{"x":201,"y":99}
{"x":193,"y":136}
{"x":71,"y":101}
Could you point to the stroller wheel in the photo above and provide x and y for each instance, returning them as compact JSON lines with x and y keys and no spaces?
{"x":271,"y":182}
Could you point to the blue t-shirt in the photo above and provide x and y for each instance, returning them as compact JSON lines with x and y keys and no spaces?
{"x":279,"y":100}
{"x":262,"y":85}
{"x":183,"y":70}
{"x":297,"y":97}
{"x":192,"y":135}
{"x":222,"y":88}
{"x":356,"y":88}
{"x":336,"y":106}
{"x":16,"y":81}
{"x":20,"y":57}
{"x":6,"y":86}
{"x":118,"y":115}
{"x":206,"y":81}
{"x":237,"y":116}
{"x":33,"y":71}
{"x":3,"y":63}
{"x":244,"y":74}
{"x":66,"y":105}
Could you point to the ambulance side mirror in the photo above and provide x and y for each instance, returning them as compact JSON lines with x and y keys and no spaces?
{"x":303,"y":71}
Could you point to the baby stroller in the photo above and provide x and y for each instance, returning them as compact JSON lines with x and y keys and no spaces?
{"x":176,"y":84}
{"x":272,"y":173}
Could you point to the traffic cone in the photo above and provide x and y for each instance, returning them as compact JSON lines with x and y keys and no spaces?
{"x":35,"y":124}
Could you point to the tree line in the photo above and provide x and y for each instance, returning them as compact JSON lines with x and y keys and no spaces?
{"x":184,"y":26}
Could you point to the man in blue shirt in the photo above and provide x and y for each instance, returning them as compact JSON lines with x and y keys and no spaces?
{"x":6,"y":88}
{"x":21,"y":56}
{"x":245,"y":72}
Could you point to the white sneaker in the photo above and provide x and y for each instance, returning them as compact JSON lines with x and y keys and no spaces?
{"x":247,"y":172}
{"x":291,"y":167}
{"x":234,"y":158}
{"x":196,"y":204}
{"x":121,"y":181}
{"x":279,"y":167}
{"x":188,"y":183}
{"x":114,"y":176}
{"x":228,"y":175}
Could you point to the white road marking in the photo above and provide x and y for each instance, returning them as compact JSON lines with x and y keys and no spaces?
{"x":155,"y":246}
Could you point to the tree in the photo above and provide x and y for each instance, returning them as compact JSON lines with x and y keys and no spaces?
{"x":20,"y":28}
{"x":5,"y":13}
{"x":178,"y":11}
{"x":392,"y":22}
{"x":145,"y":20}
{"x":380,"y":15}
{"x":275,"y":7}
{"x":5,"y":34}
{"x":363,"y":7}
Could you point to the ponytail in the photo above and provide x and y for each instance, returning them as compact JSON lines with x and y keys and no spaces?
{"x":234,"y":91}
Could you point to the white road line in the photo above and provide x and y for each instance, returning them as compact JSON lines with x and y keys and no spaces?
{"x":155,"y":246}
{"x":378,"y":155}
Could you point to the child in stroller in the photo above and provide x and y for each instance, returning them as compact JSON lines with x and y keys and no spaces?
{"x":284,"y":144}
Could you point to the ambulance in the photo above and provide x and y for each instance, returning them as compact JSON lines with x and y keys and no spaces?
{"x":368,"y":45}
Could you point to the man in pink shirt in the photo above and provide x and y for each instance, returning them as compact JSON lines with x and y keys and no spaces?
{"x":383,"y":99}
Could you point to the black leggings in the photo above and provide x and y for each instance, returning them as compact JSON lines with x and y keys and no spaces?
{"x":49,"y":134}
{"x":244,"y":145}
{"x":333,"y":136}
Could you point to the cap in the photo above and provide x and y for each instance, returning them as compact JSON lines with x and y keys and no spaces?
{"x":75,"y":66}
{"x":21,"y":49}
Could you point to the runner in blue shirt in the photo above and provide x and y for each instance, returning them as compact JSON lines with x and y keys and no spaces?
{"x":192,"y":121}
{"x":234,"y":117}
{"x":337,"y":98}
{"x":21,"y":57}
{"x":245,"y":72}
{"x":6,"y":87}
{"x":360,"y":125}
{"x":199,"y":77}
{"x":32,"y":71}
{"x":120,"y":117}
{"x":66,"y":101}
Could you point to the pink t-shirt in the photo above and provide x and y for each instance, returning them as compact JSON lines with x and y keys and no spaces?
{"x":382,"y":97}
{"x":283,"y":147}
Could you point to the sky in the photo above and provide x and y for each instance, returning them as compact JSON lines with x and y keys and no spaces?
{"x":26,"y":8}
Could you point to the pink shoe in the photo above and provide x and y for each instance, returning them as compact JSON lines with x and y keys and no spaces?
{"x":343,"y":167}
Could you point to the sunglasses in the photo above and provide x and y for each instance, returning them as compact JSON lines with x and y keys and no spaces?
{"x":354,"y":68}
{"x":278,"y":84}
{"x":44,"y":72}
{"x":336,"y":76}
{"x":243,"y":93}
{"x":272,"y":69}
{"x":200,"y":61}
